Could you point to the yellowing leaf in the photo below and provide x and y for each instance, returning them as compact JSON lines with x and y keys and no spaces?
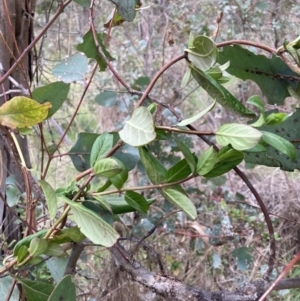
{"x":23,"y":112}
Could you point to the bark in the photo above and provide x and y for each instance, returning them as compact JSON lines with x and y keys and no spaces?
{"x":16,"y":17}
{"x":172,"y":289}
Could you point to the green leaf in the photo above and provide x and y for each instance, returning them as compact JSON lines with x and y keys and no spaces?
{"x":228,"y":158}
{"x":191,"y":40}
{"x":74,"y":233}
{"x":71,"y":69}
{"x":207,"y":161}
{"x":243,"y":258}
{"x":179,"y":171}
{"x":54,"y":250}
{"x":273,"y":75}
{"x":55,"y":93}
{"x":5,"y":288}
{"x":64,"y":290}
{"x":57,"y":267}
{"x":276,"y":118}
{"x":120,"y":179}
{"x":23,"y":251}
{"x":92,"y":225}
{"x":259,"y":122}
{"x":106,"y":98}
{"x":36,"y":291}
{"x":139,"y":130}
{"x":84,"y":3}
{"x":101,"y":147}
{"x":13,"y":195}
{"x":197,"y":116}
{"x":289,"y":130}
{"x":37,"y":246}
{"x":154,"y":169}
{"x":240,"y":136}
{"x":137,"y":201}
{"x":119,"y":205}
{"x":128,"y":155}
{"x":114,"y":19}
{"x":294,"y":93}
{"x":186,"y":77}
{"x":26,"y":240}
{"x":107,"y":168}
{"x":126,"y":8}
{"x":51,"y":198}
{"x":220,"y":94}
{"x":152,"y":107}
{"x":141,"y":83}
{"x":203,"y":54}
{"x":280,"y":144}
{"x":81,"y":150}
{"x":23,"y":112}
{"x":256,"y":101}
{"x":103,"y":203}
{"x":89,"y":48}
{"x":257,"y":149}
{"x":190,"y":158}
{"x":180,"y":200}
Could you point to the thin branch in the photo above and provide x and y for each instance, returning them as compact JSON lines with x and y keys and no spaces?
{"x":61,"y":8}
{"x":157,"y":76}
{"x":144,"y":187}
{"x":73,"y":258}
{"x":249,"y":43}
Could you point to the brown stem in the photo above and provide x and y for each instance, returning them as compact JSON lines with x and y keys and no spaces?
{"x":249,"y":43}
{"x":40,"y":35}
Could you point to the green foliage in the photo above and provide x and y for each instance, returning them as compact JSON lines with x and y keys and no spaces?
{"x":107,"y":167}
{"x":13,"y":193}
{"x":71,"y":69}
{"x":92,"y":225}
{"x":101,"y":147}
{"x":136,"y":201}
{"x":81,"y":150}
{"x":64,"y":290}
{"x":89,"y":48}
{"x":27,"y":240}
{"x":219,"y":93}
{"x":240,"y":136}
{"x":203,"y":53}
{"x":179,"y":198}
{"x":279,"y":139}
{"x":179,"y":171}
{"x":227,"y":159}
{"x":106,"y":98}
{"x":197,"y":116}
{"x":272,"y":75}
{"x":207,"y":161}
{"x":126,"y":8}
{"x":190,"y":158}
{"x":139,"y":129}
{"x":152,"y":164}
{"x":119,"y":205}
{"x":51,"y":198}
{"x":37,"y":246}
{"x":243,"y":258}
{"x":36,"y":291}
{"x":55,"y":93}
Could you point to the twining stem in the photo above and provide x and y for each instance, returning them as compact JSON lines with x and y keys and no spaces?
{"x":162,"y":185}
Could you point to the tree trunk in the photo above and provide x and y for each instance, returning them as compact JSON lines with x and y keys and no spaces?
{"x":16,"y":18}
